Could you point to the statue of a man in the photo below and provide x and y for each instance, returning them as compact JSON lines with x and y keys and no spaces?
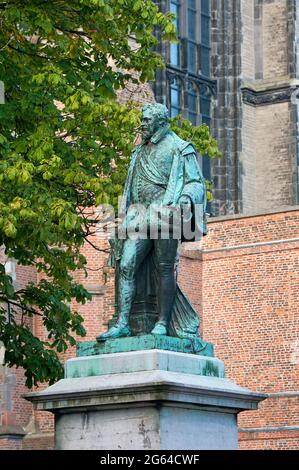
{"x":164,"y":172}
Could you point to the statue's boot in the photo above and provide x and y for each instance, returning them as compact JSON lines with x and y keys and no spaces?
{"x":126,"y":296}
{"x":166,"y":295}
{"x":160,"y":329}
{"x":119,"y":330}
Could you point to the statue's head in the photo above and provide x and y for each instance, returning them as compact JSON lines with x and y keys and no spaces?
{"x":154,"y":116}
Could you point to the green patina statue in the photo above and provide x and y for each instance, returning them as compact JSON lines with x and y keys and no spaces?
{"x":164,"y":178}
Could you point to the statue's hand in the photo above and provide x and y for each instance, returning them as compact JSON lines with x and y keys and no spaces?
{"x":186,"y":206}
{"x":135,"y":222}
{"x":185,"y":200}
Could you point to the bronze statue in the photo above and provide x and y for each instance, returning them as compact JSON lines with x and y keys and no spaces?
{"x":164,"y":177}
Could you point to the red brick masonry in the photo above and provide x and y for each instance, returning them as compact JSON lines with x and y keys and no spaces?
{"x":244,"y":280}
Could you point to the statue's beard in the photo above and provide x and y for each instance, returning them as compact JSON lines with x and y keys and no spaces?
{"x":147,"y":134}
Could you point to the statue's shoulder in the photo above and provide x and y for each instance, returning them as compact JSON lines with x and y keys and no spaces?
{"x":183,"y":146}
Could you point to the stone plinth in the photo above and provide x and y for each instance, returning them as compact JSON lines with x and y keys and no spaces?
{"x":152,"y":399}
{"x":145,"y":342}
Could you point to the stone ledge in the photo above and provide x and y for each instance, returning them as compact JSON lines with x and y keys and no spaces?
{"x":263,"y":85}
{"x":138,"y":388}
{"x":12,"y":431}
{"x":267,"y":95}
{"x":95,"y":289}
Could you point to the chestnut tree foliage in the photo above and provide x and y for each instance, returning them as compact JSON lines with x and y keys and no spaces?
{"x":65,"y":142}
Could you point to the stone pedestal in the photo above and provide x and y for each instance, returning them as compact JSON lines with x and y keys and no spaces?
{"x":151,"y":399}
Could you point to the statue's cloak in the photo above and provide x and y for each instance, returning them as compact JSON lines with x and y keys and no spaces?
{"x":185,"y":179}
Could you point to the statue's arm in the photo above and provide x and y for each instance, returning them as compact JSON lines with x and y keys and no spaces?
{"x":194,"y":182}
{"x":194,"y":189}
{"x":126,"y":199}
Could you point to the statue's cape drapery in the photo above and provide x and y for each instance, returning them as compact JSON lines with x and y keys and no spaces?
{"x":185,"y":179}
{"x":184,"y":321}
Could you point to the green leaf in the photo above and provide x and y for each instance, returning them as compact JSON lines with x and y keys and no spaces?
{"x":2,"y":139}
{"x":9,"y":229}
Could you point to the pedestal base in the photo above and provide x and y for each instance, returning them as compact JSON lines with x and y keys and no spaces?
{"x":158,"y":426}
{"x":145,"y":400}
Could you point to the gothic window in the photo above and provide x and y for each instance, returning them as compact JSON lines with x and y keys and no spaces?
{"x":192,"y":104}
{"x":205,"y":38}
{"x":192,"y":36}
{"x":189,"y":58}
{"x":175,"y":98}
{"x":205,"y":105}
{"x":174,"y":54}
{"x":186,"y":86}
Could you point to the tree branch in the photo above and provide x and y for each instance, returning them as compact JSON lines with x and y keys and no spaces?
{"x":23,"y":307}
{"x":96,"y":247}
{"x":7,"y":44}
{"x":20,"y":51}
{"x":77,"y":33}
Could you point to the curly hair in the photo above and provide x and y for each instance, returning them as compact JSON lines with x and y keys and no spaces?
{"x":158,"y":110}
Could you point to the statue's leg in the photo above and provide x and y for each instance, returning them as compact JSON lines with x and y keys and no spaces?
{"x":165,"y":254}
{"x":133,"y":255}
{"x":134,"y":252}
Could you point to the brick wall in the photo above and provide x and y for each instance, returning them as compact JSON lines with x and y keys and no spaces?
{"x":10,"y":444}
{"x":244,"y":280}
